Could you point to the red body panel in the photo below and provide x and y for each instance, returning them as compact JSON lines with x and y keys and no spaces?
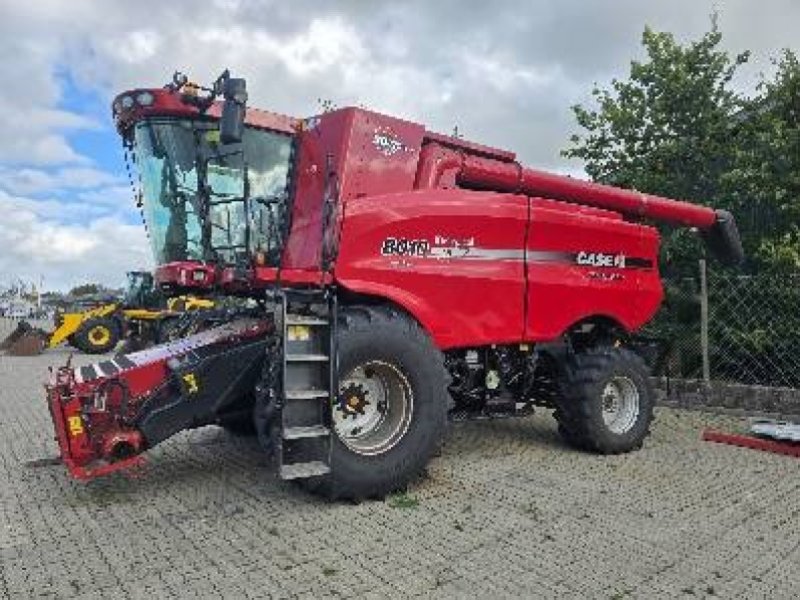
{"x":187,"y":275}
{"x":457,"y":266}
{"x":479,"y":268}
{"x":359,"y":146}
{"x":562,"y":291}
{"x":474,"y":267}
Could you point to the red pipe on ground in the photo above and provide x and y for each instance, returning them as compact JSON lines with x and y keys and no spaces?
{"x":755,"y":443}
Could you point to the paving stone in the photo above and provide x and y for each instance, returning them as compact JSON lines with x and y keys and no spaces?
{"x":506,"y":511}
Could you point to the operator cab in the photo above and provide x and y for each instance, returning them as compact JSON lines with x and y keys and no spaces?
{"x":214,"y":185}
{"x":190,"y":179}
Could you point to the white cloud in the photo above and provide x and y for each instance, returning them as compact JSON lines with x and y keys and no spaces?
{"x":33,"y":145}
{"x":35,"y":242}
{"x":134,"y":47}
{"x":505,"y":72}
{"x":34,"y":128}
{"x":117,"y":196}
{"x":32,"y":181}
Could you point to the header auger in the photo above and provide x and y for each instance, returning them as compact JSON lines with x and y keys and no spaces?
{"x":396,"y":276}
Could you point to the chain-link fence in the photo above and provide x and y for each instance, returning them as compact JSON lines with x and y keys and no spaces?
{"x":731,"y":328}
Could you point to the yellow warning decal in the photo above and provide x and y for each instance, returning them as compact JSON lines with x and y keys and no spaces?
{"x":192,"y":387}
{"x":298,"y":333}
{"x":75,"y":425}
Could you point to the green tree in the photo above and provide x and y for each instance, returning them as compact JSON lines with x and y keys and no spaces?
{"x":85,"y":289}
{"x":667,"y":128}
{"x":763,"y":184}
{"x":675,"y":127}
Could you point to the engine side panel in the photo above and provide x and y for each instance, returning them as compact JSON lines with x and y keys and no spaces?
{"x":583,"y":265}
{"x":453,"y":259}
{"x":474,"y":270}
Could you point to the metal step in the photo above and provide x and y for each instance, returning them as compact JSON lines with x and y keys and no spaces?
{"x":305,"y":433}
{"x":296,"y":433}
{"x":309,"y":394}
{"x":302,"y":320}
{"x":306,"y":357}
{"x":306,"y":469}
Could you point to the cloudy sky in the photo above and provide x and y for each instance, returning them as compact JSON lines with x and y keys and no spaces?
{"x":505,"y":72}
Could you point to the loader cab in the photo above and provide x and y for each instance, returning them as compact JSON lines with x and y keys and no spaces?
{"x":140,"y":291}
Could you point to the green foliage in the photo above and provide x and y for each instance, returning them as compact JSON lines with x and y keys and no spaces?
{"x":403,"y":500}
{"x":675,"y":127}
{"x":86,"y":289}
{"x":754,"y":329}
{"x":763,"y":183}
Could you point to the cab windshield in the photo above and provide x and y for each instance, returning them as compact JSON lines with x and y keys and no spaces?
{"x":140,"y":291}
{"x":206,"y":201}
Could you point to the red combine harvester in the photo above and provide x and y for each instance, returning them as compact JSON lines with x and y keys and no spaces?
{"x":395,"y":275}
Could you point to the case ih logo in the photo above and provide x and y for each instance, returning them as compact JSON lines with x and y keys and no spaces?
{"x":387,"y":143}
{"x":600,"y":259}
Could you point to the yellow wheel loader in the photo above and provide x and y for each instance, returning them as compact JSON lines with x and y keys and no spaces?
{"x":142,"y":318}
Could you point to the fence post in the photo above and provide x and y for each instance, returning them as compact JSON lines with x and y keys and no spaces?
{"x":704,"y":321}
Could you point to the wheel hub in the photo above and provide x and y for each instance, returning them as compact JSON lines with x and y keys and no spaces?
{"x":352,"y":401}
{"x":99,"y":335}
{"x":620,"y":404}
{"x":373,"y":408}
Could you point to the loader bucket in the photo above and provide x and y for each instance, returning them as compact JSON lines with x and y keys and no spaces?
{"x":25,"y":340}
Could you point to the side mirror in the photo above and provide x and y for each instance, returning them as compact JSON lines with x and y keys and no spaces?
{"x":231,"y":124}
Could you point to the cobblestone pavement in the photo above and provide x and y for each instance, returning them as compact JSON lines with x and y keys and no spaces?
{"x":506,"y":511}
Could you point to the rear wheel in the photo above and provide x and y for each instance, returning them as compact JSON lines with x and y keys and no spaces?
{"x":606,"y":402}
{"x":390,"y":411}
{"x":97,"y":335}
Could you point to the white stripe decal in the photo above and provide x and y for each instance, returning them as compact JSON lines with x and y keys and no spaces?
{"x":474,"y":253}
{"x":530,"y":256}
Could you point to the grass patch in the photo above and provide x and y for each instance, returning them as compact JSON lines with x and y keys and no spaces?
{"x":532,"y":511}
{"x":403,"y":500}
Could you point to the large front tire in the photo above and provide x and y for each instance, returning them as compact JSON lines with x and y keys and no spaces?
{"x":390,"y":412}
{"x":606,"y":402}
{"x":97,"y":335}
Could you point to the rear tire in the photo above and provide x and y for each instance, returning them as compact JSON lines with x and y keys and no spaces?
{"x":389,"y":360}
{"x":97,"y":335}
{"x":607,"y":401}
